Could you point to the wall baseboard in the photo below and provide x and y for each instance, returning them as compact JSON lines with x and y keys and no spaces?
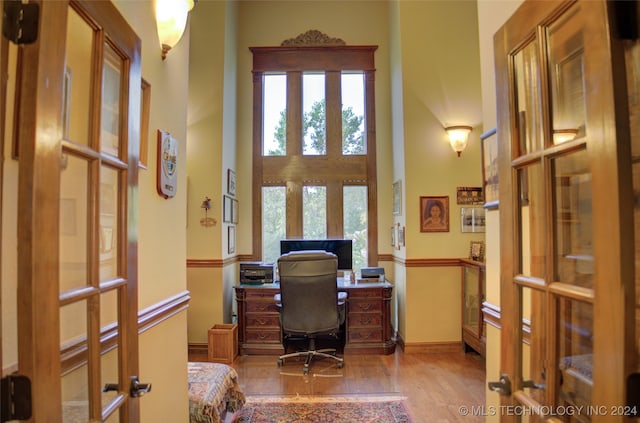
{"x":431,"y":347}
{"x":198,"y":348}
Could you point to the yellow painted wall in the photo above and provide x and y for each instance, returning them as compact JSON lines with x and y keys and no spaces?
{"x":162,"y":223}
{"x":211,"y":151}
{"x":268,"y":23}
{"x":438,"y":88}
{"x":492,"y":14}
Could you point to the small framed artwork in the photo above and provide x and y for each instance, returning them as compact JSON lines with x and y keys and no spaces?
{"x":434,"y":214}
{"x":145,"y":106}
{"x":227,"y":209}
{"x":234,"y":210}
{"x":472,"y":219}
{"x":397,"y":198}
{"x":400,"y":236}
{"x":231,"y":182}
{"x":469,"y":196}
{"x":489,"y":147}
{"x":167,"y":165}
{"x":393,"y":236}
{"x":231,"y":231}
{"x":476,"y":250}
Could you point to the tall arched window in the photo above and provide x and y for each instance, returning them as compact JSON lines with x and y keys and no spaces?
{"x":314,"y":147}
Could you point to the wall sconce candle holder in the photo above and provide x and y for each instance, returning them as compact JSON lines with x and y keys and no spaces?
{"x":458,"y":137}
{"x":207,"y":221}
{"x":171,"y":20}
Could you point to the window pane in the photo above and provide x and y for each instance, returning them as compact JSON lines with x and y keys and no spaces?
{"x":314,"y":212}
{"x":566,"y":69}
{"x":525,"y":64}
{"x":314,"y":125}
{"x":353,"y":140}
{"x":575,"y":352}
{"x":273,"y":222}
{"x":532,"y":215}
{"x":572,"y":213}
{"x":274,"y":115}
{"x":355,"y":222}
{"x":110,"y":113}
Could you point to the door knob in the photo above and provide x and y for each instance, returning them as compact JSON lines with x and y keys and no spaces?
{"x":503,"y":386}
{"x":531,"y":384}
{"x":137,"y":388}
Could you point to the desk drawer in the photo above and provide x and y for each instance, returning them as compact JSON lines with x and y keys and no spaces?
{"x":365,"y":293}
{"x":361,"y":336}
{"x":262,"y":321}
{"x":364,"y":306}
{"x":261,"y":294}
{"x":365,"y":320}
{"x":261,"y":307}
{"x":263,"y":336}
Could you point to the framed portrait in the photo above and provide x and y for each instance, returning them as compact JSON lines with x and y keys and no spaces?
{"x":401,"y":232}
{"x":476,"y":250}
{"x":231,"y":182}
{"x":231,"y":232}
{"x":472,"y":219}
{"x":167,"y":159}
{"x":489,"y":147}
{"x":434,"y":214}
{"x":227,"y":209}
{"x":397,"y":198}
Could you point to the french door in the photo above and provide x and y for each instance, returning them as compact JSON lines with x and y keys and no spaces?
{"x":566,"y":215}
{"x":78,"y":136}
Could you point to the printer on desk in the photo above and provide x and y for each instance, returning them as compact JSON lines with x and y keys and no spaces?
{"x":256,"y":273}
{"x":372,"y":274}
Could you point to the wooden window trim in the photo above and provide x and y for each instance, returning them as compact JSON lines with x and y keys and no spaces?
{"x":339,"y":170}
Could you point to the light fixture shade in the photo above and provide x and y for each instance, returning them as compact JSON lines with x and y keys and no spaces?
{"x":171,"y":19}
{"x":458,"y":137}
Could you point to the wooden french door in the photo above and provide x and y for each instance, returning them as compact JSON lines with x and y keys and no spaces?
{"x":566,"y":215}
{"x":78,"y":128}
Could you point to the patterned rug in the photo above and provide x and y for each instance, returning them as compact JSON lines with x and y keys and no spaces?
{"x":378,"y":409}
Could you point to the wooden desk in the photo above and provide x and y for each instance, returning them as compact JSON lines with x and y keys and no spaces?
{"x":368,"y":321}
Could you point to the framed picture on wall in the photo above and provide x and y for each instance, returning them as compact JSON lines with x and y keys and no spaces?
{"x":489,"y":147}
{"x":231,"y":232}
{"x":397,"y":198}
{"x":434,"y":214}
{"x":231,"y":182}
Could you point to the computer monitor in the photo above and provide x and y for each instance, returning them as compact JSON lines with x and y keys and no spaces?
{"x":342,"y":248}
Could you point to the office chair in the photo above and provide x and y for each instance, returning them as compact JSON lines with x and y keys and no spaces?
{"x":309,"y":301}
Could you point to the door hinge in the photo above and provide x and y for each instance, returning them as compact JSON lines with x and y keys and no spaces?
{"x":20,"y":21}
{"x":15,"y":401}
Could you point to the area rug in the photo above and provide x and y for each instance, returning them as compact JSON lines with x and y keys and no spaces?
{"x":324,"y":409}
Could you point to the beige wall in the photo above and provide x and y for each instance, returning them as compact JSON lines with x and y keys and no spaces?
{"x":439,"y":85}
{"x":492,"y":14}
{"x":162,"y":223}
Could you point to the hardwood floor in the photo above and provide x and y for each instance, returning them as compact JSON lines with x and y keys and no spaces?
{"x":435,"y":385}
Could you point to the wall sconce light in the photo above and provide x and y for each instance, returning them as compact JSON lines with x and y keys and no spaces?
{"x":171,"y":19}
{"x":207,"y":221}
{"x":458,"y":137}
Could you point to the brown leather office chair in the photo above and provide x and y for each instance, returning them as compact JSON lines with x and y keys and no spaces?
{"x":309,"y":301}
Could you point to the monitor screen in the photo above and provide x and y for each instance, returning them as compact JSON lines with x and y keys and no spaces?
{"x":340,"y":247}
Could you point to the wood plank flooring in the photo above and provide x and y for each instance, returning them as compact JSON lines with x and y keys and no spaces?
{"x":435,"y":385}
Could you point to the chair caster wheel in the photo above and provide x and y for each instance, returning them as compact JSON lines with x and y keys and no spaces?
{"x":280,"y":362}
{"x":340,"y":365}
